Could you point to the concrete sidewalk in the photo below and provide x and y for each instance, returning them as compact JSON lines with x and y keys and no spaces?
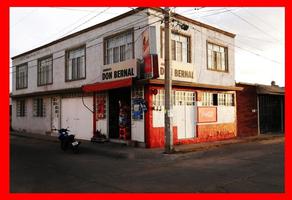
{"x":117,"y":150}
{"x":184,"y":148}
{"x":114,"y":150}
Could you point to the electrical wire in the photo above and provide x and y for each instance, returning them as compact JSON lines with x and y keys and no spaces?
{"x":197,"y":30}
{"x":23,"y":18}
{"x":131,"y":23}
{"x":97,"y":44}
{"x":253,"y":25}
{"x":244,"y":49}
{"x":88,"y":20}
{"x":63,"y":29}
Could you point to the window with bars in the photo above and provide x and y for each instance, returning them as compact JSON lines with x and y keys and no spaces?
{"x":225,"y":99}
{"x":119,"y":48}
{"x":178,"y":98}
{"x":185,"y":98}
{"x":180,"y":47}
{"x":217,"y":57}
{"x":45,"y":71}
{"x":75,"y":66}
{"x":39,"y":109}
{"x":20,"y":108}
{"x":158,"y":99}
{"x":21,"y":76}
{"x":208,"y":99}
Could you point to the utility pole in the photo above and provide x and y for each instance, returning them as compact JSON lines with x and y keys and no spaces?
{"x":168,"y":115}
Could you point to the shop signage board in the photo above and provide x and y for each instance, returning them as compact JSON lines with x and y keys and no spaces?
{"x":148,"y":65}
{"x":207,"y":114}
{"x":118,"y":71}
{"x":180,"y":71}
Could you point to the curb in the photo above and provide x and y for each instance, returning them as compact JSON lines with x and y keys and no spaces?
{"x":117,"y":153}
{"x":36,"y":137}
{"x":237,"y":141}
{"x":99,"y":151}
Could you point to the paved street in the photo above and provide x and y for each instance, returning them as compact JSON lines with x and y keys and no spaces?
{"x":40,"y":166}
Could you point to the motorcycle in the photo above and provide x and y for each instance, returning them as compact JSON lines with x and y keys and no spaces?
{"x":68,"y":140}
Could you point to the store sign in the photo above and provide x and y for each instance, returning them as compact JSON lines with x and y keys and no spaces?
{"x":207,"y":114}
{"x":122,"y":73}
{"x":118,"y":71}
{"x":178,"y":73}
{"x":148,"y":66}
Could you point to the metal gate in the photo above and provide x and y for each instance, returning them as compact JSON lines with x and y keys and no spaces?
{"x":271,"y":113}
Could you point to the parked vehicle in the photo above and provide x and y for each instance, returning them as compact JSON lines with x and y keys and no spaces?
{"x":68,"y":140}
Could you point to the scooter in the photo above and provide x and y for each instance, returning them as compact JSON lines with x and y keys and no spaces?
{"x":68,"y":140}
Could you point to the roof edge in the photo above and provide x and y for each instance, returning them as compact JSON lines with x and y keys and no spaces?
{"x":126,"y":14}
{"x":121,"y":16}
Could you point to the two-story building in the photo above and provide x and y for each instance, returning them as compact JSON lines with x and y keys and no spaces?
{"x":110,"y":77}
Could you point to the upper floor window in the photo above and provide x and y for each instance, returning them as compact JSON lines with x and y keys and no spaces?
{"x":45,"y":71}
{"x":217,"y":57}
{"x":39,"y":109}
{"x":180,"y":47}
{"x":21,"y":76}
{"x":20,"y":108}
{"x":75,"y":66}
{"x":119,"y":48}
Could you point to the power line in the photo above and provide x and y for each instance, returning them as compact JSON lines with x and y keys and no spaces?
{"x":186,"y":12}
{"x":79,"y":10}
{"x":115,"y":30}
{"x":194,"y":29}
{"x":260,"y":19}
{"x":253,"y":25}
{"x":69,"y":25}
{"x":86,"y":21}
{"x":257,"y":39}
{"x":244,"y":49}
{"x":217,"y":13}
{"x":23,"y":18}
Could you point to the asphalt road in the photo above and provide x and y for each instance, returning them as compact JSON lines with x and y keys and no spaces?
{"x":40,"y":166}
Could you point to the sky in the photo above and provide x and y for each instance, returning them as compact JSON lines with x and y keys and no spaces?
{"x":259,"y":41}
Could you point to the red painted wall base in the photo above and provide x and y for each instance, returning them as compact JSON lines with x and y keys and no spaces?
{"x":205,"y":133}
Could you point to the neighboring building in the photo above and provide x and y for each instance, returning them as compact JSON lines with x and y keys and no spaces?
{"x":104,"y":77}
{"x":260,"y":109}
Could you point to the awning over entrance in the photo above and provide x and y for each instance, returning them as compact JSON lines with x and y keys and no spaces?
{"x":96,"y":87}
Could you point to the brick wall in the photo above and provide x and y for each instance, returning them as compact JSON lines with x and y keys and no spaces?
{"x":247,"y":120}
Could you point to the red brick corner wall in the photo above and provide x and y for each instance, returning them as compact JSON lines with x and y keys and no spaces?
{"x":247,"y":120}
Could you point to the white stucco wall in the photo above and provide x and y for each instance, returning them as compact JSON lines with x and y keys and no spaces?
{"x":199,"y":37}
{"x":94,"y":65}
{"x":94,"y":55}
{"x":29,"y":123}
{"x":226,"y":114}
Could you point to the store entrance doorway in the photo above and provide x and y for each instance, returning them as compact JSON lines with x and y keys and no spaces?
{"x":119,"y":112}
